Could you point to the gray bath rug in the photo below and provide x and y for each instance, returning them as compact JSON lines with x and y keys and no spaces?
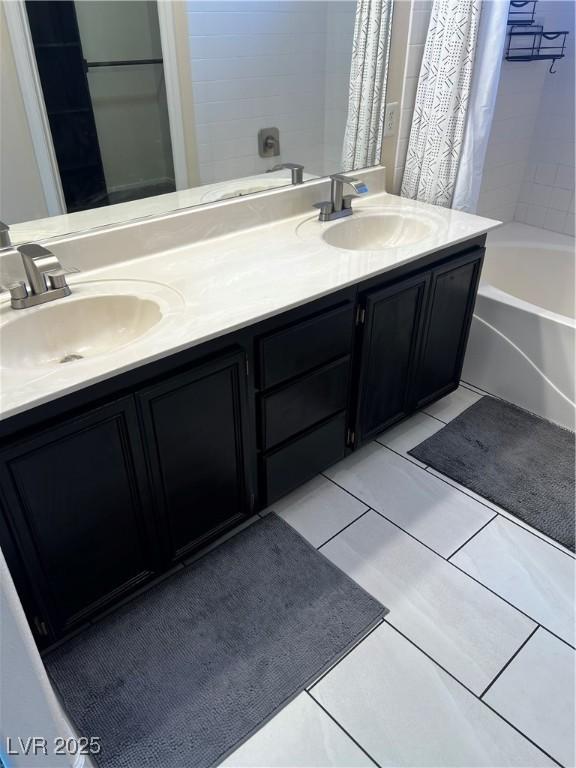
{"x":519,"y":461}
{"x":182,"y":675}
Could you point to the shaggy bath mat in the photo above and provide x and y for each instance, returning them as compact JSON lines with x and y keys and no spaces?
{"x":519,"y":461}
{"x":190,"y":669}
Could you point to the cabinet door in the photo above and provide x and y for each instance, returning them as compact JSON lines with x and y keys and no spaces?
{"x":448,"y":317}
{"x":195,"y":426}
{"x":76,"y":502}
{"x":393,"y":324}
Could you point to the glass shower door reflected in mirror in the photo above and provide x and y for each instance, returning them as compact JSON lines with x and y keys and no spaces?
{"x":102,"y":76}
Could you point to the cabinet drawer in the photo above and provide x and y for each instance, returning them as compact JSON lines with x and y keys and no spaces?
{"x":308,"y":401}
{"x":300,"y":348}
{"x":301,"y":460}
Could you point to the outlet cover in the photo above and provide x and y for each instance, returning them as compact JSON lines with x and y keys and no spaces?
{"x":391,"y":119}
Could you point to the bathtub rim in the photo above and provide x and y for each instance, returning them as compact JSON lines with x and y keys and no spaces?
{"x":487,"y":290}
{"x":514,"y":234}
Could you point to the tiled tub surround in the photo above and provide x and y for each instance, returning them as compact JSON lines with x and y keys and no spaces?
{"x":268,"y":63}
{"x":231,"y":264}
{"x":528,"y":173}
{"x":546,"y":197}
{"x":529,"y":168}
{"x":474,"y":665}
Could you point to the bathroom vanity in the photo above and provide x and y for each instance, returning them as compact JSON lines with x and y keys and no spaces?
{"x":111,"y":476}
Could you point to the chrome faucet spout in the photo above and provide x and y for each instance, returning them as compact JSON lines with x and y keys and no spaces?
{"x":46,"y":278}
{"x":339,"y":204}
{"x":38,"y":261}
{"x":297,"y":171}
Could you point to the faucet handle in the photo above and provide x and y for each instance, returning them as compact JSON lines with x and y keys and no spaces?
{"x":5,"y":241}
{"x":326,"y":209}
{"x":57,"y":278}
{"x":63,"y":270}
{"x":17,"y":290}
{"x":347,"y":200}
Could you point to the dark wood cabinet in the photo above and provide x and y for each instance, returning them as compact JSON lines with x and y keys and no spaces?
{"x":77,"y":503}
{"x":413,"y":342}
{"x":304,"y":391}
{"x":107,"y":487}
{"x":300,"y":347}
{"x":195,"y":441}
{"x":301,"y":459}
{"x":453,"y":288}
{"x":291,"y":409}
{"x":392,"y":331}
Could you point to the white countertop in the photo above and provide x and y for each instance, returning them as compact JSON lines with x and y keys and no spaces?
{"x":219,"y":285}
{"x":106,"y":215}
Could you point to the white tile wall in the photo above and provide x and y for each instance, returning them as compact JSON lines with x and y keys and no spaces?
{"x":547,"y":195}
{"x":519,"y":94}
{"x":262,"y":63}
{"x":529,"y":170}
{"x":340,"y":17}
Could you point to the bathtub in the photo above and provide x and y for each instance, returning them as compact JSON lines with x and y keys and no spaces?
{"x":523,"y":335}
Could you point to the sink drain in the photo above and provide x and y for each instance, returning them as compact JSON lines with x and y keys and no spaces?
{"x":70,"y":358}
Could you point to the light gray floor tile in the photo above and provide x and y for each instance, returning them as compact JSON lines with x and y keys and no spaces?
{"x":319,"y":509}
{"x":500,"y":510}
{"x":406,"y":711}
{"x":429,"y":509}
{"x":526,"y":571}
{"x":536,"y":694}
{"x":300,"y":736}
{"x":480,"y":391}
{"x":467,"y":629}
{"x":453,"y":404}
{"x":410,"y":433}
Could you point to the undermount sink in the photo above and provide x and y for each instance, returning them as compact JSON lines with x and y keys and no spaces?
{"x":365,"y":231}
{"x":76,"y":328}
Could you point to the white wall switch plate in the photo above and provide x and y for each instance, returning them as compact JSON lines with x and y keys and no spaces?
{"x":391,"y":119}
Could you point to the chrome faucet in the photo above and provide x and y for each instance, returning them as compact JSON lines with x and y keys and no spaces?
{"x":296,"y":168}
{"x":340,"y":205}
{"x":5,"y":242}
{"x":46,"y":276}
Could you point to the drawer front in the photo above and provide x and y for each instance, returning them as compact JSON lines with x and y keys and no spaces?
{"x":310,"y":400}
{"x":301,"y":460}
{"x":300,"y":348}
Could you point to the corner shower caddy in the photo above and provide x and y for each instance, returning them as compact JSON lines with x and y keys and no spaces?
{"x":527,"y":40}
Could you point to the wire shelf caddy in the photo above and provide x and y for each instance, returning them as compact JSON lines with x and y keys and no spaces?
{"x":527,"y":40}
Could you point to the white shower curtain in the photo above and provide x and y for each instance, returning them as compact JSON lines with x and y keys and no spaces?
{"x":482,"y":103}
{"x":368,"y":74}
{"x":437,"y":134}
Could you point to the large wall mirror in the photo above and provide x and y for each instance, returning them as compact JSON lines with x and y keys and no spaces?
{"x":118,"y":109}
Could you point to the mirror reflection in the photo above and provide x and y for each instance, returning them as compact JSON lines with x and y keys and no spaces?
{"x":127,"y":108}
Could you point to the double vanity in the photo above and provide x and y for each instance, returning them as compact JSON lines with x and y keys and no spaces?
{"x":205,"y":364}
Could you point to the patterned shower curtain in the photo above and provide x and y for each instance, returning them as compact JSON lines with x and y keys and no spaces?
{"x":442,"y":99}
{"x":367,"y":94}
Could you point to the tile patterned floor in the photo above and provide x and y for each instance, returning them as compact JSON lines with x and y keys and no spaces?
{"x":475,"y":663}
